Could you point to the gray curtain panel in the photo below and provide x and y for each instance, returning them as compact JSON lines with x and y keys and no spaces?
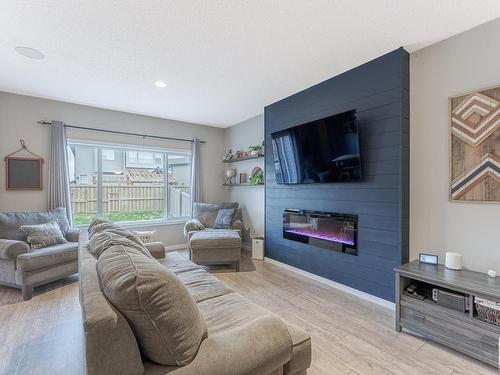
{"x":59,"y":191}
{"x":196,"y":189}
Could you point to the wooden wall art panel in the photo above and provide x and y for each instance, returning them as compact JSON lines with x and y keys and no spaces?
{"x":475,"y":146}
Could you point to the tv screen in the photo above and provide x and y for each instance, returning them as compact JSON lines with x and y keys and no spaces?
{"x":321,"y":151}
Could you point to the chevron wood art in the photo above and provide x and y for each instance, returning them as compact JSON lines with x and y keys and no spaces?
{"x":475,"y":146}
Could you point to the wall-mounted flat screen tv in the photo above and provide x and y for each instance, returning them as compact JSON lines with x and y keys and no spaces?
{"x":321,"y":151}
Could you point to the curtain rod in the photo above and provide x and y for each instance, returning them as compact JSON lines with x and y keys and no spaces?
{"x":122,"y":133}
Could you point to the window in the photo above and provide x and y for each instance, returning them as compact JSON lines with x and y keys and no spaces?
{"x":128,"y":185}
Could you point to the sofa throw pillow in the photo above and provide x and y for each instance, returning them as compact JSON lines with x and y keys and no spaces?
{"x":224,"y":218}
{"x":162,"y":314}
{"x":43,"y":235}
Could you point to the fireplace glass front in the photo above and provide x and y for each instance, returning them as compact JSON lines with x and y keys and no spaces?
{"x":329,"y":230}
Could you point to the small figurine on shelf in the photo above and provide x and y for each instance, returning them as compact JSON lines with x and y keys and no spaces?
{"x":241,"y":154}
{"x":230,"y":173}
{"x":229,"y":155}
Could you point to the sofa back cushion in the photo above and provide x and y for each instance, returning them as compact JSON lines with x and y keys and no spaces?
{"x":10,"y":222}
{"x":162,"y":314}
{"x":103,"y":240}
{"x":206,"y":213}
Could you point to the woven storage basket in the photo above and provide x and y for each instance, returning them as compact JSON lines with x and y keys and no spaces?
{"x":488,"y":311}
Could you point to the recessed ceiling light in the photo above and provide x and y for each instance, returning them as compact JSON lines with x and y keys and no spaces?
{"x":160,"y":84}
{"x":30,"y":53}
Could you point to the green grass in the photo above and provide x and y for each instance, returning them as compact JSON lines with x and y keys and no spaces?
{"x":83,"y":219}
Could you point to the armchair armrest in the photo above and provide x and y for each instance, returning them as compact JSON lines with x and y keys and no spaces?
{"x":192,"y":225}
{"x":157,"y":249}
{"x":258,"y":347}
{"x":238,"y":225}
{"x":72,"y":234}
{"x":10,"y":249}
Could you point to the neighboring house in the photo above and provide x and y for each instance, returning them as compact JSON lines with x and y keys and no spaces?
{"x":127,"y":167}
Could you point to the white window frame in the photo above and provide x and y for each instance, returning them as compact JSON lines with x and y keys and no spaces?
{"x":164,"y":151}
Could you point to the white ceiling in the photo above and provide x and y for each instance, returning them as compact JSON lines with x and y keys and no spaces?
{"x":222,"y":60}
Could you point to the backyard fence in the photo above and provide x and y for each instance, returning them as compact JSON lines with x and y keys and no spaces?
{"x":131,"y":198}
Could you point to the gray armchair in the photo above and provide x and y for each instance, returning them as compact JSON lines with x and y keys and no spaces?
{"x":25,"y":268}
{"x":208,"y":245}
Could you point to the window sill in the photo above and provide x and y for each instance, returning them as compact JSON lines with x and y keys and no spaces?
{"x":146,"y":224}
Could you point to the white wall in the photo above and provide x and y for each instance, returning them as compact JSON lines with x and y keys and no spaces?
{"x":18,"y":117}
{"x":251,"y":198}
{"x":463,"y":63}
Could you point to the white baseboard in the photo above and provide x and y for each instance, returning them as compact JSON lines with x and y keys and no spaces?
{"x":344,"y":288}
{"x":181,"y":246}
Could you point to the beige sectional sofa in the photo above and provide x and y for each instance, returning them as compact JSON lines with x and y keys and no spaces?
{"x":240,"y":337}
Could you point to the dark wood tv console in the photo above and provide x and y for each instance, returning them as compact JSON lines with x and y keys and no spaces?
{"x":462,"y":331}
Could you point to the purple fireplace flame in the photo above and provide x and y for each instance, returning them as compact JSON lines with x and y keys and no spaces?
{"x":321,"y":235}
{"x":330,"y":230}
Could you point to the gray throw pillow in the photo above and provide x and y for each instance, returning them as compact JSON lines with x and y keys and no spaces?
{"x":224,"y":218}
{"x":43,"y":235}
{"x":162,"y":314}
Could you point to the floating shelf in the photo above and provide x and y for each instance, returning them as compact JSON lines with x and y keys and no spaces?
{"x":234,"y":160}
{"x":245,"y":184}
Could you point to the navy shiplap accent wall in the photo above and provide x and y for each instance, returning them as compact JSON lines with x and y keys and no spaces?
{"x":379,"y":91}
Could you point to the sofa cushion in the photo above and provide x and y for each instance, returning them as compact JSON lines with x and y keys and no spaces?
{"x":200,"y":284}
{"x":206,"y":213}
{"x":103,"y":240}
{"x":48,"y":256}
{"x":43,"y":235}
{"x":10,"y":222}
{"x":209,"y":239}
{"x":224,"y":218}
{"x":229,"y":311}
{"x":164,"y":317}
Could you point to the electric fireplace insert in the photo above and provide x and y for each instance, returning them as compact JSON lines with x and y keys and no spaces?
{"x":330,"y":230}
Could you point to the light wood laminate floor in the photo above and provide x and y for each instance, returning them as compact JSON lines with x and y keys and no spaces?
{"x":350,"y":336}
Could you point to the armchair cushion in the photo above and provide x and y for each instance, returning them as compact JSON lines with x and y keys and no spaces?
{"x":192,"y":225}
{"x":10,"y":249}
{"x":48,"y":256}
{"x":163,"y":316}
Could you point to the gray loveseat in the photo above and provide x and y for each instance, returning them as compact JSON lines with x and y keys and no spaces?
{"x":242,"y":338}
{"x":26,"y":268}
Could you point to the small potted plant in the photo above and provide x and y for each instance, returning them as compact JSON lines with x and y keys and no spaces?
{"x":257,"y":176}
{"x":255,"y":150}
